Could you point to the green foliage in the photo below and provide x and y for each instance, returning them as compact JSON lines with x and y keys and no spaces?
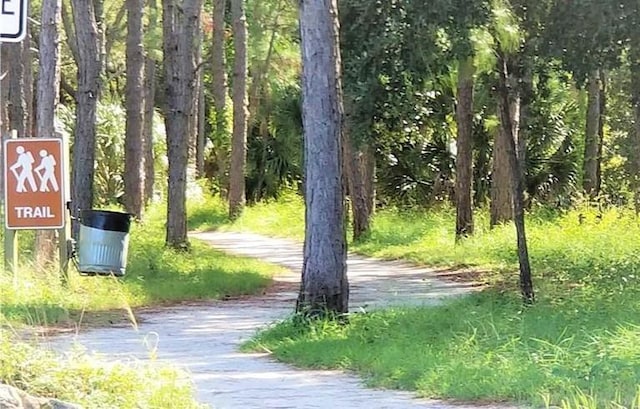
{"x":108,"y":181}
{"x":81,"y":379}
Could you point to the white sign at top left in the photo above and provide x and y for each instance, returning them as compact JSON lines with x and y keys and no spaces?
{"x":13,"y":20}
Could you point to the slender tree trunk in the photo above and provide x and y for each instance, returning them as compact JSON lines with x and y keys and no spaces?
{"x":324,"y":287}
{"x":355,"y":170}
{"x":4,"y":90}
{"x":134,"y":139}
{"x":202,"y":119}
{"x":464,"y":144}
{"x":219,"y":94}
{"x":601,"y":120}
{"x":370,"y":179}
{"x":194,"y":142}
{"x":634,"y":157}
{"x":506,"y":117}
{"x":501,"y":210}
{"x":592,"y":140}
{"x":17,"y":76}
{"x":149,"y":111}
{"x":180,"y":34}
{"x":237,"y":197}
{"x":89,"y":85}
{"x":48,"y":94}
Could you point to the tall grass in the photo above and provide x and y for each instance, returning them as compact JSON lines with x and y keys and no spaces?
{"x":93,"y":384}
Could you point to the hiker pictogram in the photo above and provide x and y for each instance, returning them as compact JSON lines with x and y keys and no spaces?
{"x":25,"y":174}
{"x":48,"y":167}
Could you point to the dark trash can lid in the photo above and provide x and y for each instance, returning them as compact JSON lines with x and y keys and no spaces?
{"x":106,"y":220}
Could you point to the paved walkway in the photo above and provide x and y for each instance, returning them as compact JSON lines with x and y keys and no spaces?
{"x":204,"y":339}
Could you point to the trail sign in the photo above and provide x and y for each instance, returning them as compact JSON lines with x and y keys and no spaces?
{"x":34,"y":180}
{"x":13,"y":20}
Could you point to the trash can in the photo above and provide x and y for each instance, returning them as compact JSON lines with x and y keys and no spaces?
{"x":103,"y":242}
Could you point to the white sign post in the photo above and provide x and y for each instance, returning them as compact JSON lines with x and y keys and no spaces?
{"x":13,"y":20}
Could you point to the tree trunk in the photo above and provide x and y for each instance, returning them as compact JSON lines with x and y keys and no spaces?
{"x":355,"y":179}
{"x":601,"y":120}
{"x":149,"y":111}
{"x":201,"y":122}
{"x":464,"y":145}
{"x":324,"y":287}
{"x":592,"y":140}
{"x":89,"y":84}
{"x":634,"y":157}
{"x":18,"y":86}
{"x":48,"y":94}
{"x":370,"y":179}
{"x":4,"y":91}
{"x":134,"y":139}
{"x":501,"y":209}
{"x":218,"y":70}
{"x":506,"y":117}
{"x":237,"y":197}
{"x":180,"y":25}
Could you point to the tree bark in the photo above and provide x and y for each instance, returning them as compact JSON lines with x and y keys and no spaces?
{"x":324,"y":287}
{"x":134,"y":138}
{"x":464,"y":145}
{"x":89,"y":86}
{"x":358,"y":181}
{"x":219,"y":94}
{"x":506,"y":117}
{"x":501,"y":208}
{"x":180,"y":25}
{"x":592,"y":139}
{"x":149,"y":111}
{"x":48,"y":98}
{"x":237,"y":198}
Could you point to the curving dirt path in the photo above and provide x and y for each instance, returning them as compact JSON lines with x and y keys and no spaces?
{"x":203,"y":339}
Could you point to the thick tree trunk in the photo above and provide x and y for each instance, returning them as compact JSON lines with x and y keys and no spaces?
{"x":48,"y":94}
{"x":180,"y":25}
{"x":506,"y":117}
{"x":149,"y":111}
{"x":464,"y":144}
{"x":89,"y":84}
{"x":237,"y":197}
{"x":592,"y":139}
{"x":134,"y":139}
{"x":324,"y":288}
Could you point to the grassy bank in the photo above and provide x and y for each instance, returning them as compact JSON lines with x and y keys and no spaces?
{"x":579,"y":346}
{"x":155,"y":276}
{"x":81,"y":379}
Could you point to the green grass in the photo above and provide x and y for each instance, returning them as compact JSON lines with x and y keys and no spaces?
{"x":155,"y":276}
{"x":486,"y":347}
{"x":81,"y":379}
{"x":579,"y":346}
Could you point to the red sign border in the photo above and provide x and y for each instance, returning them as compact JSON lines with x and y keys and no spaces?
{"x":63,"y":183}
